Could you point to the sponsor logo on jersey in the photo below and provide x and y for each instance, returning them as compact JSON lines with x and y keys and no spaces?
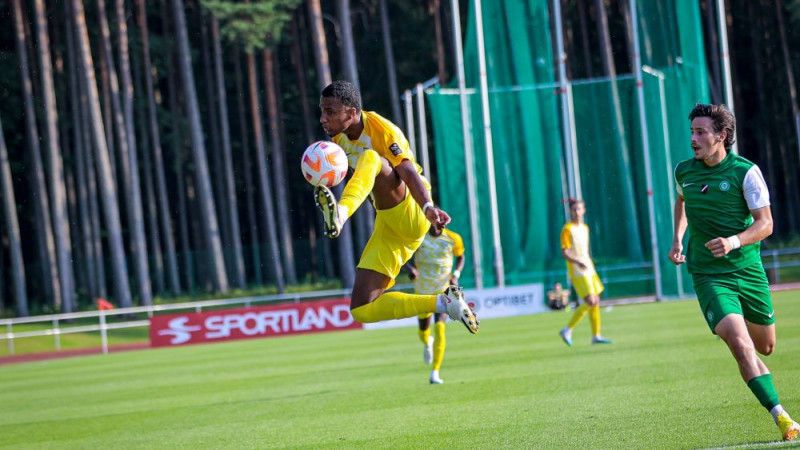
{"x":687,"y":184}
{"x":724,"y":186}
{"x":395,"y":149}
{"x":704,"y":188}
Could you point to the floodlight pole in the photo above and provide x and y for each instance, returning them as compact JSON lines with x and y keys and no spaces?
{"x":567,"y":114}
{"x":499,"y":270}
{"x":662,"y":94}
{"x":410,"y":132}
{"x":726,"y":61}
{"x":469,"y":164}
{"x":423,"y":131}
{"x":651,"y":211}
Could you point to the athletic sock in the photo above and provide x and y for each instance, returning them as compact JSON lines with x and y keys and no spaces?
{"x":764,"y":390}
{"x":580,"y":311}
{"x":424,"y":335}
{"x":394,"y":305}
{"x":441,"y":304}
{"x":439,"y":342}
{"x":777,"y":411}
{"x":361,"y":183}
{"x":594,"y":320}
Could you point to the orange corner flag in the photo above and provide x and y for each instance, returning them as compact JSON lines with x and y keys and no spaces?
{"x":103,"y":304}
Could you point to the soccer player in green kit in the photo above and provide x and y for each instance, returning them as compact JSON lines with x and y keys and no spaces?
{"x":724,"y":202}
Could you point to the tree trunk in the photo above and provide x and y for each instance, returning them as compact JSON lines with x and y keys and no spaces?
{"x":51,"y":283}
{"x":215,"y":171}
{"x":279,"y":167}
{"x":135,"y":207}
{"x":394,"y":92}
{"x":219,"y":278}
{"x":362,"y":218}
{"x":346,"y":262}
{"x":55,"y":166}
{"x":263,"y":175}
{"x":247,"y":169}
{"x":761,"y":112}
{"x":151,"y":216}
{"x":587,"y":51}
{"x":795,"y":119}
{"x":83,"y":241}
{"x":91,"y":191}
{"x":158,"y":158}
{"x":105,"y":86}
{"x":122,"y":291}
{"x":298,"y":63}
{"x":714,"y":63}
{"x":232,"y":216}
{"x":177,"y":164}
{"x":624,"y":160}
{"x":12,"y":230}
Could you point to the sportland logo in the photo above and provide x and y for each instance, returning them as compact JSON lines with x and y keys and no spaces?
{"x":268,"y":321}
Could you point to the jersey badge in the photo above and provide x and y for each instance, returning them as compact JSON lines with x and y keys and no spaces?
{"x":724,"y":186}
{"x":395,"y":149}
{"x":704,"y":188}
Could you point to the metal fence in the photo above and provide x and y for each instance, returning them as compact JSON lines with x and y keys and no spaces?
{"x":61,"y":327}
{"x":779,"y":264}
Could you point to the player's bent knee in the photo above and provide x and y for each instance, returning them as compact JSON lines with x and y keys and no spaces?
{"x":766,"y":349}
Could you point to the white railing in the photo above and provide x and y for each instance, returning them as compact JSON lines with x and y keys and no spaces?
{"x":102,"y":326}
{"x":773,"y":260}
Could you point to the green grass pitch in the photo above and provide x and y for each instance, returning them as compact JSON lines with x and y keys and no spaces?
{"x":666,"y":382}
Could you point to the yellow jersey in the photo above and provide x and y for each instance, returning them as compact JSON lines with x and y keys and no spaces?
{"x":434,"y":261}
{"x":380,"y":135}
{"x":575,"y":237}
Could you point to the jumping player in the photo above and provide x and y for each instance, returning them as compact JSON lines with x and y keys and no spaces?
{"x":383,"y":165}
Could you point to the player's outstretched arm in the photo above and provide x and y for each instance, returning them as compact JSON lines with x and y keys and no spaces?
{"x":411,"y":178}
{"x":679,"y":226}
{"x":760,"y":229}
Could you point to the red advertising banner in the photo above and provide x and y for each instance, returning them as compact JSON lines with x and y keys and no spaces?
{"x":243,"y":323}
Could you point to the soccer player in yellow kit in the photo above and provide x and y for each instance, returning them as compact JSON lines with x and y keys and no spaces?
{"x":383,"y":164}
{"x":575,"y":248}
{"x":432,"y":272}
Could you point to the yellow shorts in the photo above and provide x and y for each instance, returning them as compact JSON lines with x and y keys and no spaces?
{"x":398,"y":233}
{"x":589,"y":285}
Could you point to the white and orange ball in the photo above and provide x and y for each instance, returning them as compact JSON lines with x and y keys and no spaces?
{"x":324,"y":163}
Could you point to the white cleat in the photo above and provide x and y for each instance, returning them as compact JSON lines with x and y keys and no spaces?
{"x":434,"y":379}
{"x":459,"y":310}
{"x":427,"y":351}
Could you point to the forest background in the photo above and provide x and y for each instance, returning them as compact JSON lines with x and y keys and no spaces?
{"x":150,"y":148}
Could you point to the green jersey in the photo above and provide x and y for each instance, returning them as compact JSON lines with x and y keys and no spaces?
{"x":718,"y":201}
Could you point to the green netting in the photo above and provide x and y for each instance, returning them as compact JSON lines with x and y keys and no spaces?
{"x":527,"y":144}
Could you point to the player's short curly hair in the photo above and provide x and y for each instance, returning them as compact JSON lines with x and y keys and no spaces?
{"x":344,"y":91}
{"x":722,"y":119}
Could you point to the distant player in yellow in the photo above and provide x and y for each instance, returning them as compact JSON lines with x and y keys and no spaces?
{"x":383,"y":165}
{"x":432,"y":272}
{"x":575,"y":248}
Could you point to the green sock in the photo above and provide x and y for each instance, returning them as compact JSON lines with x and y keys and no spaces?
{"x":764,"y":390}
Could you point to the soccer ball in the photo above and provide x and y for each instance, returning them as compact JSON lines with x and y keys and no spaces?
{"x":324,"y":164}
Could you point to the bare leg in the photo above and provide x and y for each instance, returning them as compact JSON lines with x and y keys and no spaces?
{"x":763,"y":337}
{"x":733,"y":330}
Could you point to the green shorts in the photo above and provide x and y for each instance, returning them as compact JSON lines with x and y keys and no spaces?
{"x":744,"y":292}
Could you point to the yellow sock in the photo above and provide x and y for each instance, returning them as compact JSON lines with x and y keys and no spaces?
{"x":439,"y":342}
{"x":580,"y":311}
{"x":424,"y":335}
{"x":360,"y":185}
{"x":394,"y":305}
{"x":594,"y":319}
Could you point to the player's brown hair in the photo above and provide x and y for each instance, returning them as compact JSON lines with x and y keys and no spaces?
{"x":722,"y":119}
